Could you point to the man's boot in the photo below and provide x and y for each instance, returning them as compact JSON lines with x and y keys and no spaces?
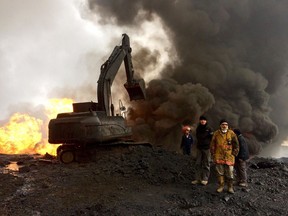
{"x":230,"y":186}
{"x":221,"y":184}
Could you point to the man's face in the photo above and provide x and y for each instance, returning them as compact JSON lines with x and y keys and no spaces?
{"x":203,"y":121}
{"x":224,"y":126}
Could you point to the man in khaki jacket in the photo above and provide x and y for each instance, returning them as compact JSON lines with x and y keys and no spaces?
{"x":224,"y":147}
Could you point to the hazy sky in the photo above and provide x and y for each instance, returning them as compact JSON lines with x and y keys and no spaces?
{"x":54,"y":48}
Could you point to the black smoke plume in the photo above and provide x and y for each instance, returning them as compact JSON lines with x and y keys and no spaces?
{"x":232,"y":61}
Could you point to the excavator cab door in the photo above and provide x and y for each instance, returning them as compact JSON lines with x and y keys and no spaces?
{"x":136,"y":90}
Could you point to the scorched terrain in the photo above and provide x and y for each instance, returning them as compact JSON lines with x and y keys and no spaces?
{"x":136,"y":181}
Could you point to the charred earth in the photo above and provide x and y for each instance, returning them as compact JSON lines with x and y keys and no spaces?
{"x":137,"y":181}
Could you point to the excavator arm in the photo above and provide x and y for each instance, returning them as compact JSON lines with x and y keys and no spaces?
{"x":135,"y":88}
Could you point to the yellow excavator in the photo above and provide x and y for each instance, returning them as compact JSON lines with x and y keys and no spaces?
{"x":95,"y":124}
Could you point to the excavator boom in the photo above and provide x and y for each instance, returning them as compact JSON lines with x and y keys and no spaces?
{"x":135,"y":88}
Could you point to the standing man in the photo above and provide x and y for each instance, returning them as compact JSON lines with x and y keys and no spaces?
{"x":240,"y":160}
{"x":204,"y":135}
{"x":224,"y":148}
{"x":187,"y":141}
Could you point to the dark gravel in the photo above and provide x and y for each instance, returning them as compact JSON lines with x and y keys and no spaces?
{"x":135,"y":181}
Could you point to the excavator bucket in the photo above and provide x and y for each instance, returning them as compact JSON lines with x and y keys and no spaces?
{"x":136,"y":90}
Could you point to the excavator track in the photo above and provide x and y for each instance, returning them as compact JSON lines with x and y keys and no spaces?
{"x":68,"y":153}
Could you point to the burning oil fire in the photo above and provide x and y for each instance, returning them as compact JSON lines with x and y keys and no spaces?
{"x":25,"y":134}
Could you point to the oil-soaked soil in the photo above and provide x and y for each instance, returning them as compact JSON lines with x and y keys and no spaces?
{"x":141,"y":181}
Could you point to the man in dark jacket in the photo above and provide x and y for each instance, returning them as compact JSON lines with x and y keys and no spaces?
{"x":203,"y":134}
{"x":240,"y":160}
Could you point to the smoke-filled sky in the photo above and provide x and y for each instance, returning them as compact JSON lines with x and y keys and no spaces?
{"x":54,"y":48}
{"x":223,"y":59}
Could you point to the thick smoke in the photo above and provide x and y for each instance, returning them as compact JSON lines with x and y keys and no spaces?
{"x":232,"y":61}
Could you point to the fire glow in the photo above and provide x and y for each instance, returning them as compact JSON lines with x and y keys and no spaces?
{"x":285,"y":143}
{"x":25,"y":134}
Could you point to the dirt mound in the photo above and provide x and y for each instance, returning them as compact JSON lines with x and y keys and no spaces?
{"x":140,"y":181}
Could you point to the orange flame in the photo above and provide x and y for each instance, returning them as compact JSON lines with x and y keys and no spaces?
{"x":25,"y":134}
{"x":55,"y":106}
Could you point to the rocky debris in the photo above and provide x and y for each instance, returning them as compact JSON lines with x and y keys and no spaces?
{"x":138,"y":181}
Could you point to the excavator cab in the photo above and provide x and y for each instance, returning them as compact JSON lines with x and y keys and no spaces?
{"x":136,"y":89}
